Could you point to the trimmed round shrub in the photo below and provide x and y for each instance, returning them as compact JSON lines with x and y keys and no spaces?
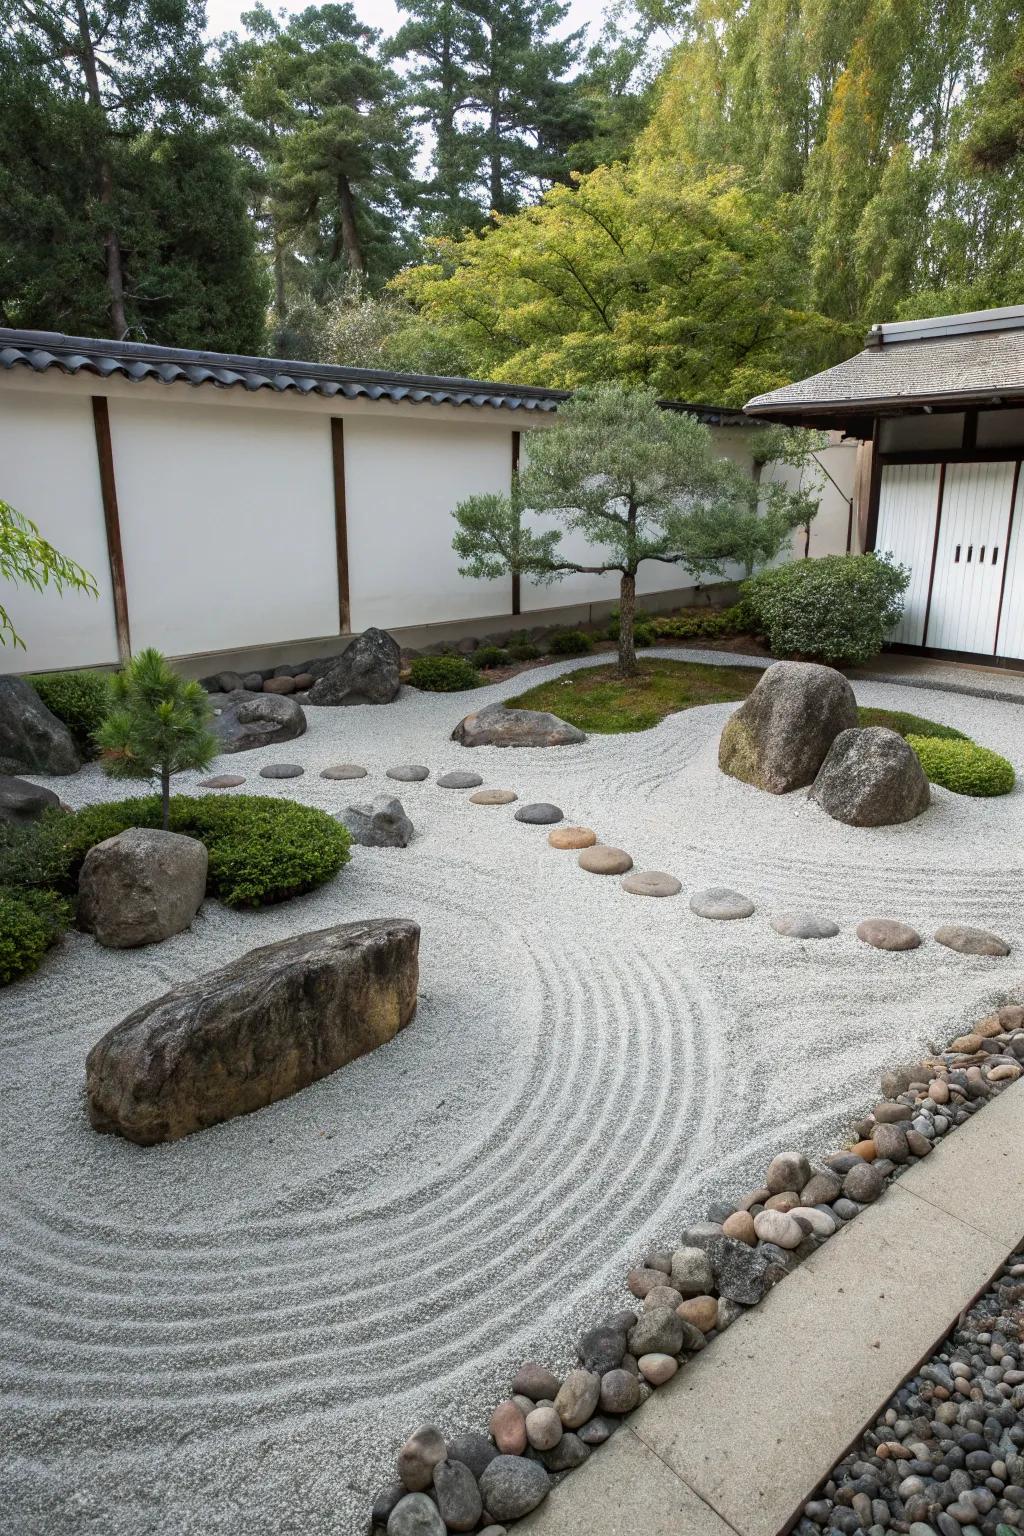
{"x":524,"y":650}
{"x":262,"y":850}
{"x":443,"y":674}
{"x":80,"y":699}
{"x":490,"y":656}
{"x":30,"y":923}
{"x":570,"y":642}
{"x":963,"y":766}
{"x":836,"y":609}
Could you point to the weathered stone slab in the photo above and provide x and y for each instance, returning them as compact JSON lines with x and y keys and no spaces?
{"x":246,"y":720}
{"x":496,"y":726}
{"x":368,"y":672}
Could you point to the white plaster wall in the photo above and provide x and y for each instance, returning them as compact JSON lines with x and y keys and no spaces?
{"x":402,"y":481}
{"x":49,"y":472}
{"x":829,"y":528}
{"x":227,"y":524}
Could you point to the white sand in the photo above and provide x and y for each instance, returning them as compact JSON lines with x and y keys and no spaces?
{"x":234,"y":1333}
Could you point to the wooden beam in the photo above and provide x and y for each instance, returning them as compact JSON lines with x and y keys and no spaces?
{"x":341,"y":523}
{"x":112,"y":523}
{"x":869,"y":529}
{"x":516,"y":436}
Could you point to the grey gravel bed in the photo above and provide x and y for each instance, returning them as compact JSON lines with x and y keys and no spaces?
{"x":234,"y":1333}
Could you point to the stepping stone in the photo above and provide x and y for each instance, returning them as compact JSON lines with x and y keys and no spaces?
{"x":539,"y":814}
{"x":223,"y":781}
{"x":409,"y":773}
{"x":650,"y":882}
{"x":343,"y":771}
{"x":281,"y":771}
{"x":458,"y":780}
{"x":494,"y":797}
{"x":602,"y":860}
{"x":572,"y":837}
{"x":886,"y":933}
{"x":803,"y":925}
{"x":721,"y":904}
{"x":971,"y":941}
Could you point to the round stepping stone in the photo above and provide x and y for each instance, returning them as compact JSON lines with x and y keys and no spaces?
{"x":602,"y":860}
{"x":460,"y":779}
{"x":650,"y":882}
{"x":572,"y":837}
{"x":886,"y":933}
{"x":803,"y":925}
{"x":409,"y":773}
{"x":223,"y":781}
{"x":539,"y":814}
{"x":343,"y":771}
{"x":971,"y":941}
{"x":281,"y":771}
{"x":721,"y":904}
{"x":494,"y":797}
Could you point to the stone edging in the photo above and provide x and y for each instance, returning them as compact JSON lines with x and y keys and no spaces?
{"x":722,"y":1267}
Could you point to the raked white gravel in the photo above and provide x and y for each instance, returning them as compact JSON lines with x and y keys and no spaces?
{"x":233,"y":1334}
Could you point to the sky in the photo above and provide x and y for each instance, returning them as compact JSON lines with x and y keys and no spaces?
{"x":223,"y":15}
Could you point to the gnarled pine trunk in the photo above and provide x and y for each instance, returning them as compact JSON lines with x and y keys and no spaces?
{"x":627,"y":619}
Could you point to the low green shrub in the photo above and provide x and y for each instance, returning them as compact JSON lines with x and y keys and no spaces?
{"x":490,"y":656}
{"x":262,"y":850}
{"x":80,"y":699}
{"x":837,"y":609}
{"x":443,"y":674}
{"x":706,"y":623}
{"x":908,"y":725}
{"x":644,"y":633}
{"x":570,"y":642}
{"x":963,"y":766}
{"x":30,"y":922}
{"x":524,"y":650}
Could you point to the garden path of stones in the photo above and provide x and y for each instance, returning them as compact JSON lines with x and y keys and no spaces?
{"x":237,"y":1333}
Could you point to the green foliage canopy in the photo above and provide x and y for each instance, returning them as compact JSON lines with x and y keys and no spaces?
{"x":27,"y":559}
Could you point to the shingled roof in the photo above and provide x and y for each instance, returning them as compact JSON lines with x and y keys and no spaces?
{"x":972,"y":359}
{"x":44,"y":350}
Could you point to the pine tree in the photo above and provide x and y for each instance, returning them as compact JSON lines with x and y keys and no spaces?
{"x":158,"y":724}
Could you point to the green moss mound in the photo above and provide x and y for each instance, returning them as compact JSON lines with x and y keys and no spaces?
{"x":964,"y":767}
{"x":909,"y":725}
{"x":30,"y":922}
{"x":443,"y":674}
{"x":80,"y":699}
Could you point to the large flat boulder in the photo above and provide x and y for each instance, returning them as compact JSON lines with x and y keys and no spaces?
{"x":779,"y":737}
{"x":21,"y":802}
{"x":368,"y":672}
{"x":141,"y":886}
{"x":871,"y":778}
{"x":32,"y":740}
{"x":254,"y":1032}
{"x":496,"y":726}
{"x":244,"y":720}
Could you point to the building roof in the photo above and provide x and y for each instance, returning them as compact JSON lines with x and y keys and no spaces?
{"x":43,"y":350}
{"x":971,"y":359}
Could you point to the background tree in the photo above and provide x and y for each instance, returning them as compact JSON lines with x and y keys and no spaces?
{"x":26,"y":559}
{"x":638,"y":482}
{"x":106,"y":148}
{"x":158,"y":724}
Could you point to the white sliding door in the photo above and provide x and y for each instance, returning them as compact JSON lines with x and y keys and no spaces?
{"x":908,"y":501}
{"x":969,"y":557}
{"x":1011,"y":623}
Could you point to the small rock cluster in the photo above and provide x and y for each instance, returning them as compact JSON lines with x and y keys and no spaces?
{"x":686,"y":1296}
{"x":946,"y":1456}
{"x":366,"y":672}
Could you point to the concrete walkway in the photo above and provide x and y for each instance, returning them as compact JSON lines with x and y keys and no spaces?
{"x":930,"y":673}
{"x":741,"y":1437}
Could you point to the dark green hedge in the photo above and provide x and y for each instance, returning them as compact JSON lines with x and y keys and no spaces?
{"x":80,"y":699}
{"x":30,"y":922}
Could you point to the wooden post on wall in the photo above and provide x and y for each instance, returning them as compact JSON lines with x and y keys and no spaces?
{"x":341,"y":523}
{"x":112,"y":523}
{"x":515,"y":477}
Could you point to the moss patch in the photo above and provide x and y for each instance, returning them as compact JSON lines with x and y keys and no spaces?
{"x":598,"y":699}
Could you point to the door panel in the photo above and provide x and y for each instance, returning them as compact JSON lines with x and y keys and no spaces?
{"x":908,"y":499}
{"x":970,"y":556}
{"x":1011,"y":624}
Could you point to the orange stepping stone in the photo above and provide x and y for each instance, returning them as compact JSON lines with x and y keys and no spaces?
{"x":602,"y":860}
{"x":572,"y":837}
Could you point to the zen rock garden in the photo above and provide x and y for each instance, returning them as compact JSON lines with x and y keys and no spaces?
{"x":404,"y":1027}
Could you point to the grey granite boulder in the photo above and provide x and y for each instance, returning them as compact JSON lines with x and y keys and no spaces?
{"x":378,"y":823}
{"x":21,"y":801}
{"x":779,"y":737}
{"x":256,"y":1031}
{"x":366,"y":673}
{"x":511,"y":1486}
{"x":141,"y":886}
{"x":871,"y":778}
{"x":496,"y":726}
{"x":32,"y":740}
{"x":245,"y":720}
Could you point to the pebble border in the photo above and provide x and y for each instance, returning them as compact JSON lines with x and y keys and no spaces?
{"x":547,"y":1425}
